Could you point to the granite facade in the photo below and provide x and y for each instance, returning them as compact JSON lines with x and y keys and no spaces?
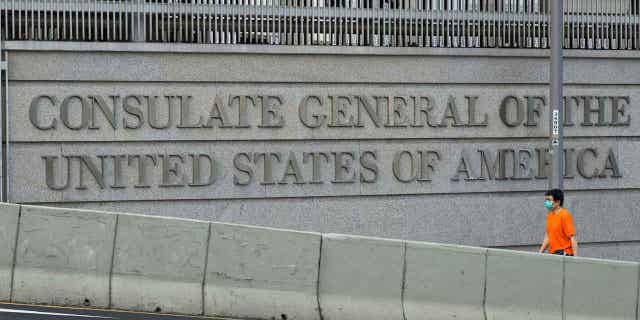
{"x":437,"y":145}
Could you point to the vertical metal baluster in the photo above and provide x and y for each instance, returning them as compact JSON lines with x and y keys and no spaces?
{"x":107,"y":12}
{"x":634,"y":25}
{"x":206,"y":22}
{"x":185,"y":11}
{"x":436,"y":24}
{"x":121,"y":11}
{"x":259,"y":34}
{"x":616,"y":20}
{"x":13,"y":20}
{"x":381,"y":24}
{"x":591,"y":44}
{"x":20,"y":36}
{"x":500,"y":18}
{"x":76,"y":14}
{"x":604,"y":29}
{"x":32,"y":11}
{"x":511,"y":32}
{"x":64,"y":19}
{"x":577,"y":18}
{"x":597,"y":41}
{"x":526,"y":24}
{"x":522,"y":18}
{"x":614,"y":25}
{"x":45,"y":8}
{"x":346,"y":21}
{"x":583,"y":11}
{"x":82,"y":20}
{"x":611,"y":30}
{"x":194,"y":20}
{"x":419,"y":23}
{"x":210,"y":30}
{"x":3,"y":36}
{"x":507,"y":23}
{"x":297,"y":23}
{"x":467,"y":20}
{"x":114,"y":21}
{"x":625,"y":25}
{"x":38,"y":30}
{"x":428,"y":25}
{"x":621,"y":34}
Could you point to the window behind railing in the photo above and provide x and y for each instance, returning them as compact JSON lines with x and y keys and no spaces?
{"x":589,"y":24}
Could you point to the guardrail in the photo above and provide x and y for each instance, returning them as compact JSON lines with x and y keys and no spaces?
{"x":143,"y":263}
{"x":589,"y":24}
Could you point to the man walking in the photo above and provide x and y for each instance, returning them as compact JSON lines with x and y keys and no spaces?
{"x":560,"y":236}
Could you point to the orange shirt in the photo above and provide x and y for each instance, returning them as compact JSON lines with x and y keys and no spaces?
{"x":560,"y":230}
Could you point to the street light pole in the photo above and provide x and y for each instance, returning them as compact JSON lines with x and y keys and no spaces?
{"x":556,"y":102}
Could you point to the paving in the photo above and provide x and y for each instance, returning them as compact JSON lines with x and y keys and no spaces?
{"x":9,"y":311}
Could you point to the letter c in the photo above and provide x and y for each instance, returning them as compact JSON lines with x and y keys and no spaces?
{"x":33,"y":112}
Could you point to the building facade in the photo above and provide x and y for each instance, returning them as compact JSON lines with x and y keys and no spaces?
{"x":421,"y":120}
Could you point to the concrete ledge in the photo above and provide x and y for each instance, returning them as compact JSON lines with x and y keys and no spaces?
{"x":306,"y":50}
{"x":522,"y":285}
{"x":8,"y":229}
{"x":159,"y":264}
{"x":444,"y":281}
{"x":599,"y":289}
{"x":361,"y":278}
{"x":63,"y":257}
{"x":262,"y":273}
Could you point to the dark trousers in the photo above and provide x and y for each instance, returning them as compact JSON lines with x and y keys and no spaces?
{"x":561,"y":252}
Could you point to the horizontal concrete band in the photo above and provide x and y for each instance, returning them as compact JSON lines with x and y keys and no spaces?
{"x":151,"y":111}
{"x":134,"y":171}
{"x":308,"y":50}
{"x":484,"y":67}
{"x":477,"y":219}
{"x":142,"y":263}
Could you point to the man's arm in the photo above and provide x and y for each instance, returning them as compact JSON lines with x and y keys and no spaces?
{"x":545,"y":243}
{"x":574,"y":245}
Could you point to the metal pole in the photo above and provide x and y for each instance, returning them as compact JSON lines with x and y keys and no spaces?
{"x":556,"y":102}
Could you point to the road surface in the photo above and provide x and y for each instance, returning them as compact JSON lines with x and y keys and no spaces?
{"x":10,"y":311}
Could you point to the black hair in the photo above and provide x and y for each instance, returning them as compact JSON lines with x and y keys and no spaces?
{"x":556,"y":194}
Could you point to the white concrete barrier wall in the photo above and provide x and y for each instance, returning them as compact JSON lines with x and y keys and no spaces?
{"x":262,"y":273}
{"x":133,"y":262}
{"x":63,"y":257}
{"x":8,"y":230}
{"x":361,"y":278}
{"x":523,"y":285}
{"x":589,"y":295}
{"x":159,"y":264}
{"x":444,"y":282}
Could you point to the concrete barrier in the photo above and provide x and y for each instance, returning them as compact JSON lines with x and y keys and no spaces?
{"x":8,"y":229}
{"x":159,"y":264}
{"x":63,"y":257}
{"x":444,"y":282}
{"x":133,"y":262}
{"x":599,"y":289}
{"x":523,"y":285}
{"x":262,"y":273}
{"x":360,"y":278}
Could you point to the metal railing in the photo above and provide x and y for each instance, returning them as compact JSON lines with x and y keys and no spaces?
{"x":589,"y":24}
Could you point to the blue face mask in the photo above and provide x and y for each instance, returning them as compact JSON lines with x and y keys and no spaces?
{"x":548,"y":204}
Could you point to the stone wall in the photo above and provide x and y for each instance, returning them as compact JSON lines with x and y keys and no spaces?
{"x":419,"y":144}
